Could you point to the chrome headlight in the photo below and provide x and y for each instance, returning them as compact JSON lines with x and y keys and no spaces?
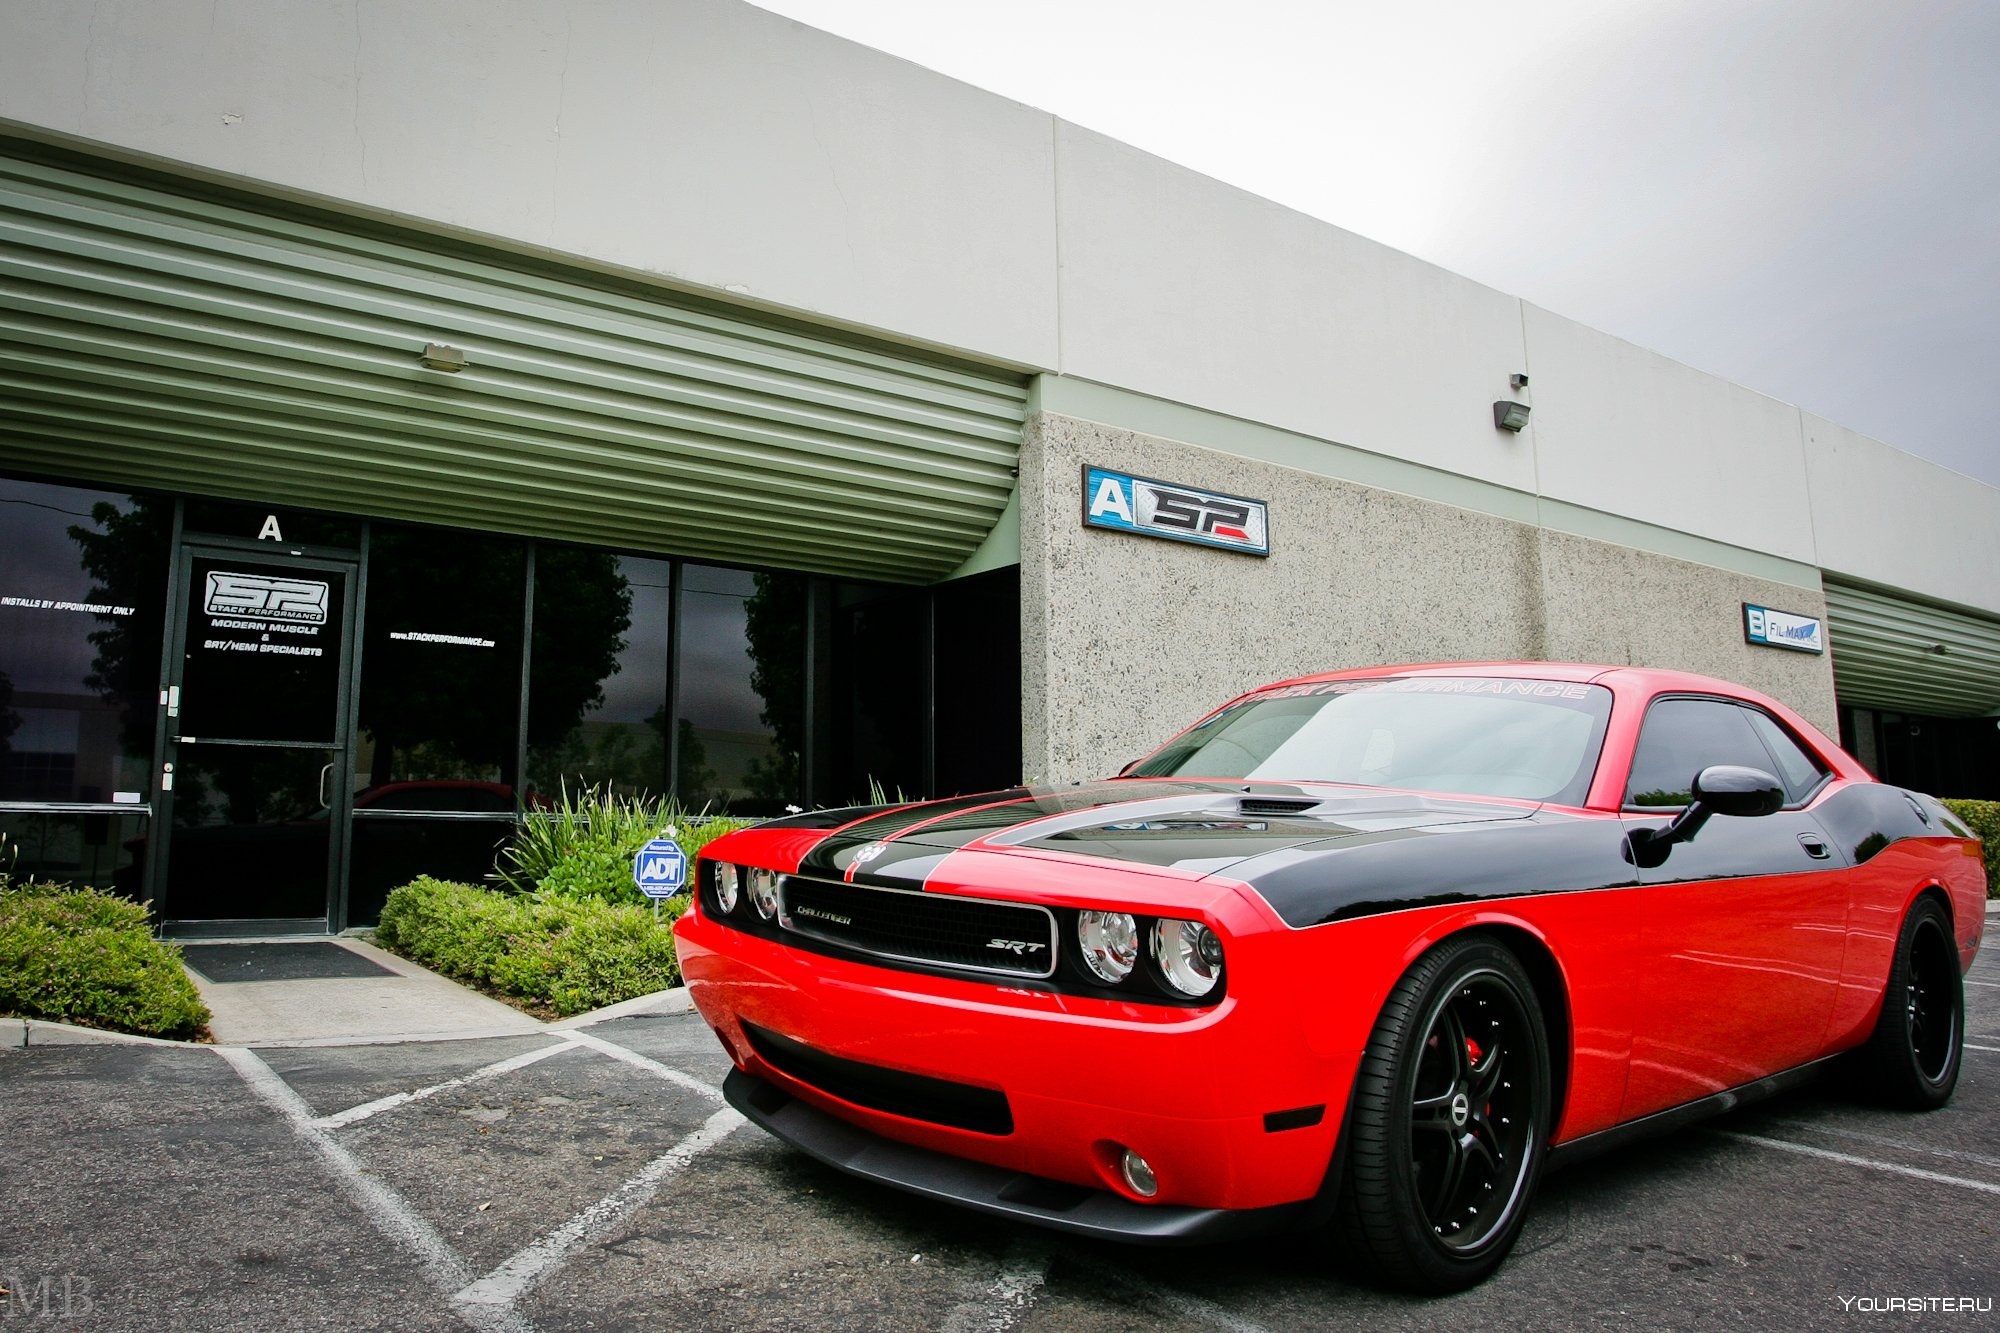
{"x":1189,"y":955}
{"x":1110,"y":943}
{"x":764,"y":892}
{"x":728,"y":887}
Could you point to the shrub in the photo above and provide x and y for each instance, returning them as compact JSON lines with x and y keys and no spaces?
{"x":83,"y":956}
{"x":583,"y":847}
{"x":544,"y":950}
{"x":1983,"y":818}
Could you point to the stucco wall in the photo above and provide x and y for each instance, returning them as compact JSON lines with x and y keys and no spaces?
{"x":1357,"y":576}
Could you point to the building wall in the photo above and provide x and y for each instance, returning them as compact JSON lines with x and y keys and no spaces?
{"x":715,"y":146}
{"x":1127,"y":639}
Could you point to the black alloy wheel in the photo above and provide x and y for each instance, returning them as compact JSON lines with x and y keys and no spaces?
{"x":1452,"y":1113}
{"x":1912,"y":1059}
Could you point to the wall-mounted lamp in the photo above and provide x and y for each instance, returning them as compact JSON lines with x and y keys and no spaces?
{"x":1510,"y":416}
{"x":1518,"y":380}
{"x":437,"y":356}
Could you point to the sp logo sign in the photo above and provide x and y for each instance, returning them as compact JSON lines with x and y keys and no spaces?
{"x":1150,"y":508}
{"x":256,"y":597}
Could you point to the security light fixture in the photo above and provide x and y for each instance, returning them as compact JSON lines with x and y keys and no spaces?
{"x":437,"y":356}
{"x":1510,"y":416}
{"x":1518,"y":380}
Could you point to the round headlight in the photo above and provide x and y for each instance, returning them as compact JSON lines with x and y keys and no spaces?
{"x":1110,"y":943}
{"x":728,"y":887}
{"x":764,"y":892}
{"x":1189,"y":955}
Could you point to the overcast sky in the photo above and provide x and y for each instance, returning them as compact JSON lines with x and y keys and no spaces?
{"x":1801,"y":197}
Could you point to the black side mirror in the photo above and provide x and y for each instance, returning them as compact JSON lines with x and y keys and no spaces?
{"x":1720,"y":789}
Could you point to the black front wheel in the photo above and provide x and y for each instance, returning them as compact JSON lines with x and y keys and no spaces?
{"x":1912,"y":1058}
{"x":1452,"y":1113}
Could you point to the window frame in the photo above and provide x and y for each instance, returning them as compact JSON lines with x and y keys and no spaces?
{"x":1826,"y":770}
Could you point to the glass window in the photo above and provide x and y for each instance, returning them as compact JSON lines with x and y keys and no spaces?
{"x":978,"y":683}
{"x":441,"y":659}
{"x":1798,"y":768}
{"x":99,"y":851}
{"x":880,"y":637}
{"x":740,"y":726}
{"x":1681,"y":737}
{"x":388,"y":853}
{"x":1533,"y":739}
{"x":82,"y":605}
{"x":597,"y":702}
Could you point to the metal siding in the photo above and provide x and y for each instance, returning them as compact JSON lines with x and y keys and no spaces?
{"x":1885,"y":654}
{"x":155,"y":338}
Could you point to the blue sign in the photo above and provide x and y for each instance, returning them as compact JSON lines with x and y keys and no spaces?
{"x":1782,"y":629}
{"x":1126,"y":503}
{"x":660,"y":868}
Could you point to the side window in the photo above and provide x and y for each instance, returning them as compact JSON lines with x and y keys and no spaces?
{"x":1681,"y":737}
{"x":1797,"y":767}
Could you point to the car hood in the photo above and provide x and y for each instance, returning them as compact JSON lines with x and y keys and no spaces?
{"x":1197,"y":827}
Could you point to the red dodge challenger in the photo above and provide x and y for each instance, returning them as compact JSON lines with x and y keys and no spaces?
{"x":1369,"y":948}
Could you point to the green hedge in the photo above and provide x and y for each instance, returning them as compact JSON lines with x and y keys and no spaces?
{"x":86,"y":957}
{"x":583,"y":846}
{"x":1983,"y":817}
{"x":547,"y":952}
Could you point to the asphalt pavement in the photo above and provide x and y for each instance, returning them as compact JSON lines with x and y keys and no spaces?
{"x":592,"y":1178}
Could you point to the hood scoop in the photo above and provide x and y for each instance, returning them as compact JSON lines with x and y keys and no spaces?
{"x":1278,"y":806}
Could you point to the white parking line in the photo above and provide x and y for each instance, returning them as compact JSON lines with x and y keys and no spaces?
{"x":1023,"y":1270}
{"x":505,"y":1284}
{"x":354,"y":1114}
{"x":1827,"y":1154}
{"x":386,"y":1209}
{"x":647,"y":1063}
{"x":1954,"y":1154}
{"x":1990,"y":985}
{"x":1992,"y":1049}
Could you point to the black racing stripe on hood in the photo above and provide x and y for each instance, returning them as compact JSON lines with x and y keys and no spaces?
{"x":819,"y":819}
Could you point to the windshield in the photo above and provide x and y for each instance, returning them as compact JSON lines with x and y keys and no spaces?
{"x":1474,"y":736}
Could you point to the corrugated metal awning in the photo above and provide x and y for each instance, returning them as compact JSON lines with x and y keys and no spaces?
{"x":1894,"y":653}
{"x":161,"y":335}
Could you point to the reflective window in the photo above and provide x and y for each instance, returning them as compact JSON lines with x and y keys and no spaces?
{"x":978,"y":674}
{"x":880,"y":638}
{"x":597,"y":703}
{"x":441,"y":658}
{"x":99,"y":851}
{"x":1681,"y":737}
{"x":262,"y":653}
{"x":740,"y":726}
{"x":82,"y":604}
{"x":1798,"y":768}
{"x":388,"y":853}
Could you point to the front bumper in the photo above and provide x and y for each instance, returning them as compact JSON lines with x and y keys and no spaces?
{"x":1010,"y":1194}
{"x":1237,"y":1107}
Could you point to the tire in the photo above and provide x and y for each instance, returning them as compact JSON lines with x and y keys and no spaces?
{"x":1450,"y":1124}
{"x":1912,"y":1059}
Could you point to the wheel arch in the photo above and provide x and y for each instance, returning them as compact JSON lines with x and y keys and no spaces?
{"x":1551,"y":993}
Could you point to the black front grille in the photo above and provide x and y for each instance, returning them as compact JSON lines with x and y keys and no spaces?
{"x":1010,"y":939}
{"x":912,"y":1096}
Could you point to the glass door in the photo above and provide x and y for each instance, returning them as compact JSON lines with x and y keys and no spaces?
{"x":255,"y":776}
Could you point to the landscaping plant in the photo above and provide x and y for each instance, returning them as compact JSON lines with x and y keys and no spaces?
{"x":1983,"y":818}
{"x":87,"y":957}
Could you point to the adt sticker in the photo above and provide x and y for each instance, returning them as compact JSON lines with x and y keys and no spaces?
{"x":660,"y":868}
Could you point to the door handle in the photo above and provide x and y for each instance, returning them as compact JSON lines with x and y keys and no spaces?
{"x":325,"y":797}
{"x":1815,"y":846}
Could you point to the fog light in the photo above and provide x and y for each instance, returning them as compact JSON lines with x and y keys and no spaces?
{"x":728,"y":881}
{"x":764,"y":892}
{"x":1138,"y":1175}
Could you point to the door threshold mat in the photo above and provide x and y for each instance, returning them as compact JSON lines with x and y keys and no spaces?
{"x":312,"y":960}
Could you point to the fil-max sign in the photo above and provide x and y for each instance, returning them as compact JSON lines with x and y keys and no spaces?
{"x":1181,"y":513}
{"x":1782,"y":629}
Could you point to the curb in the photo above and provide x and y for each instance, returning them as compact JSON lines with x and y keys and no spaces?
{"x":673,"y":1000}
{"x":18,"y":1033}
